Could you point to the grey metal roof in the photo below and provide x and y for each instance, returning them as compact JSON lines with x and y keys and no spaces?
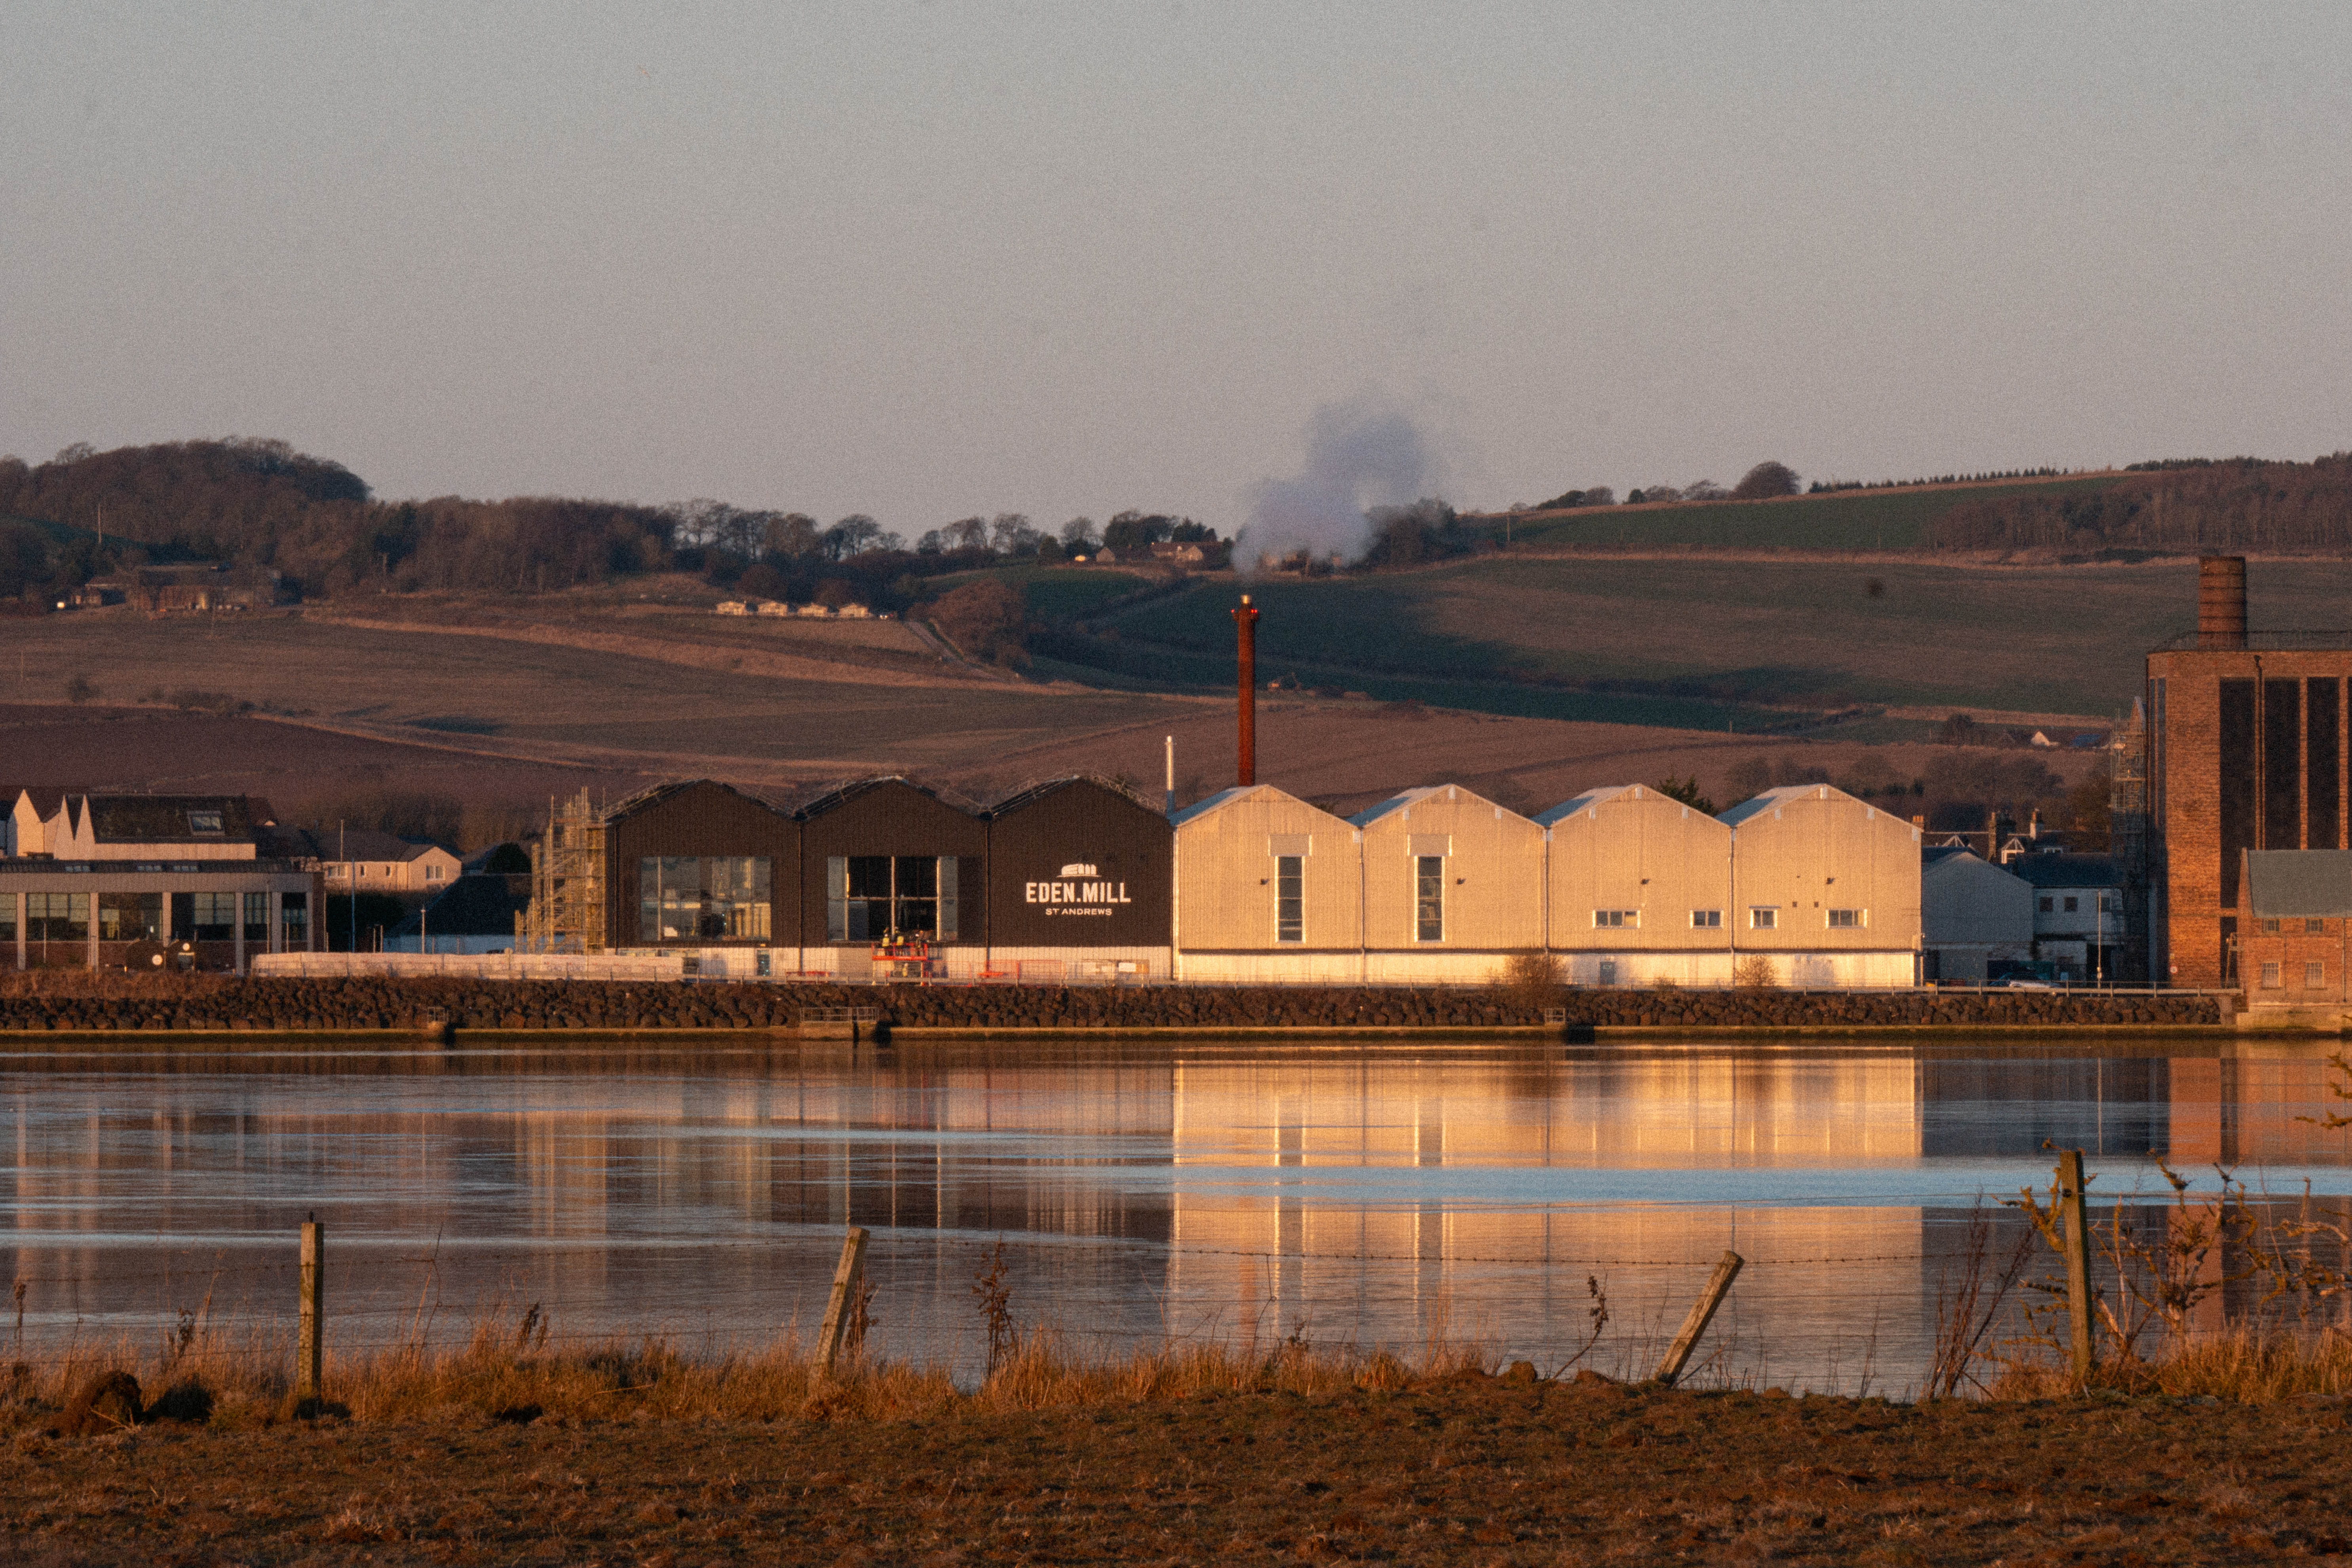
{"x":2299,"y":882}
{"x":2063,"y":870}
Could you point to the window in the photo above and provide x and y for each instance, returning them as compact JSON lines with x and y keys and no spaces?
{"x":204,"y":822}
{"x":433,"y":873}
{"x":7,"y":917}
{"x":1291,"y":898}
{"x":2270,"y":928}
{"x":2314,"y":926}
{"x":1845,"y":919}
{"x":256,"y":919}
{"x":2270,"y":977}
{"x":871,"y":897}
{"x":131,"y":917}
{"x":57,"y":916}
{"x":685,"y":897}
{"x":1763,"y":920}
{"x":1615,"y":919}
{"x":2315,"y":976}
{"x":2048,"y":904}
{"x":1706,"y":920}
{"x":204,"y":917}
{"x":2073,"y":904}
{"x":1429,"y":897}
{"x":294,"y":921}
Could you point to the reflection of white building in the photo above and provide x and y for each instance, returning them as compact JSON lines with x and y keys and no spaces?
{"x":1258,"y":1235}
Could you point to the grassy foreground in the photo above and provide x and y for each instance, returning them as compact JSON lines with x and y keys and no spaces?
{"x":501,"y":1454}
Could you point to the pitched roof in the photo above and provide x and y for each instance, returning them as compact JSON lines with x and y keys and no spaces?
{"x":830,"y":796}
{"x":368,"y":844}
{"x":2063,"y":870}
{"x":1030,"y":793}
{"x":2299,"y":882}
{"x":1780,"y":795}
{"x":1226,"y":797}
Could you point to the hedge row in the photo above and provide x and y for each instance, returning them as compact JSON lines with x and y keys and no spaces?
{"x":379,"y":1003}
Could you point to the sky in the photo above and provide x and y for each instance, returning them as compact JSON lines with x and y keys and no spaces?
{"x":927,"y":260}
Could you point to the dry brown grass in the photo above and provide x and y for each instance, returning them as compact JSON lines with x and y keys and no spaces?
{"x":109,"y":984}
{"x":2243,"y":1365}
{"x":505,"y":1373}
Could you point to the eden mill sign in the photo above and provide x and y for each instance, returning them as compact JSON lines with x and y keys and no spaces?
{"x":1078,"y":891}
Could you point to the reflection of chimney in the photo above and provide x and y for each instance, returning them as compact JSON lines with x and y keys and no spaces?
{"x":1246,"y":629}
{"x":2221,"y":601}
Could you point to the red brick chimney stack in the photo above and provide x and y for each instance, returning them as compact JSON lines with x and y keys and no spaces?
{"x":2221,"y":601}
{"x":1245,"y":630}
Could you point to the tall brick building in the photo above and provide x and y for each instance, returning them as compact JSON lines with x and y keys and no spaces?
{"x":2246,"y":751}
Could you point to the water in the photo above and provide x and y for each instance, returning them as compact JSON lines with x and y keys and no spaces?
{"x":1388,"y":1194}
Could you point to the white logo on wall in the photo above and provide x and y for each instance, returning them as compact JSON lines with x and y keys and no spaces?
{"x":1078,"y":891}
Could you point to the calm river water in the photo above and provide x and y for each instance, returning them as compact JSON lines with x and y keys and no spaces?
{"x":1376,"y":1195}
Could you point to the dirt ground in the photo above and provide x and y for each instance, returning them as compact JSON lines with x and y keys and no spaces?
{"x":1473,"y":1470}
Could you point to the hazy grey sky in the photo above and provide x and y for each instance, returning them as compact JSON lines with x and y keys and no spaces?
{"x":924,"y":260}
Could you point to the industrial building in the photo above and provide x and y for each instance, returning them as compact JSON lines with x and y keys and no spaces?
{"x":1974,"y":916}
{"x":1452,"y":885}
{"x":1640,"y":889}
{"x":2295,"y":914}
{"x":1824,"y":889}
{"x":2245,"y":753}
{"x":1268,"y":888}
{"x":144,"y":881}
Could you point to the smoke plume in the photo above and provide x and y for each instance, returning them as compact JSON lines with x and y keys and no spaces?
{"x":1360,"y":454}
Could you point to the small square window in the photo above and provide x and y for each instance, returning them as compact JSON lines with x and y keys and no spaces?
{"x":2315,"y":926}
{"x":2048,"y":904}
{"x":1706,"y":920}
{"x":2271,"y":977}
{"x":1763,"y":920}
{"x":2315,"y":976}
{"x":2073,"y":905}
{"x":2270,"y":928}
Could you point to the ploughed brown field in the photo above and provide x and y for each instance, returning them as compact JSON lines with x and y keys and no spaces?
{"x":1465,"y":1469}
{"x":507,"y":708}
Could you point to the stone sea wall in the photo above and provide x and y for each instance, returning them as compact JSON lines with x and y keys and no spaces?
{"x":377,"y":1003}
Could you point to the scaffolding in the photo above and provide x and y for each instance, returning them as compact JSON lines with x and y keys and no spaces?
{"x":567,"y":882}
{"x":2130,"y":835}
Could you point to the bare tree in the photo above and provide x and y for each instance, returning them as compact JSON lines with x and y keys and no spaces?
{"x":1079,"y":533}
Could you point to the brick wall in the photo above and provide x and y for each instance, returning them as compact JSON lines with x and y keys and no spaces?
{"x":2254,"y":764}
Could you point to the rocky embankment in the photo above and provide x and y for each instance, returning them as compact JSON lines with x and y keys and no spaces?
{"x":377,"y":1003}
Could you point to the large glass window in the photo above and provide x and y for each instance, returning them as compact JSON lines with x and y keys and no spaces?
{"x":1429,"y":897}
{"x":204,"y":917}
{"x":294,"y":921}
{"x":7,"y":921}
{"x":685,"y":897}
{"x":1291,"y":898}
{"x":57,"y":916}
{"x":256,"y":919}
{"x":131,"y":917}
{"x":872,"y":898}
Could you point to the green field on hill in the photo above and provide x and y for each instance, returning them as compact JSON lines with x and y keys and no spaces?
{"x":1848,"y":520}
{"x":1698,"y":643}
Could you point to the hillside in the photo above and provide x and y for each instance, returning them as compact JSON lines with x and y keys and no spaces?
{"x":1873,"y":519}
{"x":1704,"y":643}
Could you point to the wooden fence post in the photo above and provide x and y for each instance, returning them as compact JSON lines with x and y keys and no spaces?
{"x":308,"y":1357}
{"x":1702,"y":1313}
{"x":2075,"y":1230}
{"x":843,"y":1299}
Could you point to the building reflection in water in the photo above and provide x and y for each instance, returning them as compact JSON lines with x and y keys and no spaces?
{"x":1385,"y":1197}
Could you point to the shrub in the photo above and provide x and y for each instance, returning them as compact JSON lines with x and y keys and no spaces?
{"x":1755,"y":973}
